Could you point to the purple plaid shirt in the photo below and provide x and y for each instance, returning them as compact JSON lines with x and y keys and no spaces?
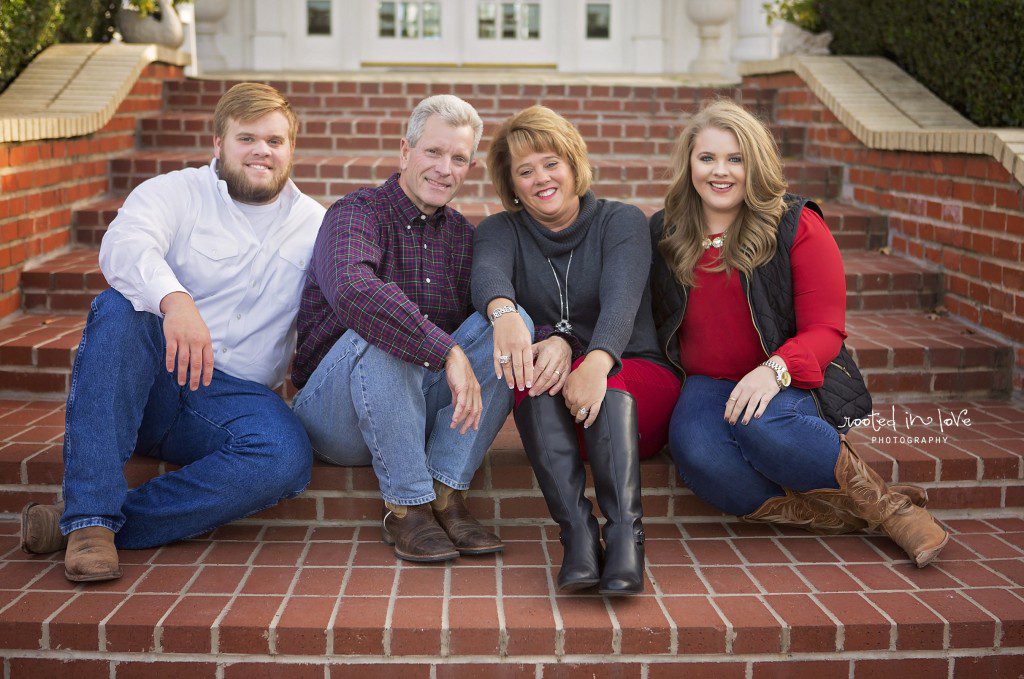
{"x":384,"y":269}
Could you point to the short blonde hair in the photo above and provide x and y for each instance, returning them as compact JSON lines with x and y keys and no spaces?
{"x":537,"y":129}
{"x":250,"y":101}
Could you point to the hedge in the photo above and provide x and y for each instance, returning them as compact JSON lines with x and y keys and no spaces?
{"x":968,"y":52}
{"x":27,"y":27}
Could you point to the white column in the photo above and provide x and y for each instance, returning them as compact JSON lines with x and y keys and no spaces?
{"x":710,"y":16}
{"x":268,"y":40}
{"x":753,"y":35}
{"x":208,"y":14}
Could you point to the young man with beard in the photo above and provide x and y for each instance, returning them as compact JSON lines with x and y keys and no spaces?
{"x":395,"y":368}
{"x":179,"y":359}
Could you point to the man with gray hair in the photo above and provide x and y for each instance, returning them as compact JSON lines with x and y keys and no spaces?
{"x":395,"y":369}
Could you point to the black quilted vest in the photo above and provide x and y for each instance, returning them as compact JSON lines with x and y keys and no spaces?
{"x":843,"y":397}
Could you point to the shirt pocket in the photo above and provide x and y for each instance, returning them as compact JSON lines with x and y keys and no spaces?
{"x":289,"y":272}
{"x":213,"y":246}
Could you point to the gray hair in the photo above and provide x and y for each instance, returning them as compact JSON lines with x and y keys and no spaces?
{"x":452,"y":110}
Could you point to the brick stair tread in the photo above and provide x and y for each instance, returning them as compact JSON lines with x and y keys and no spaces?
{"x":728,"y":592}
{"x":970,"y":461}
{"x":78,"y":269}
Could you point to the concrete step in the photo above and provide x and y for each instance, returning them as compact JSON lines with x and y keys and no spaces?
{"x":970,"y":462}
{"x":327,"y":177}
{"x":622,"y":135}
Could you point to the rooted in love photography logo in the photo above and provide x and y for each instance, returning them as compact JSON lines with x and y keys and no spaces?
{"x":905,"y":426}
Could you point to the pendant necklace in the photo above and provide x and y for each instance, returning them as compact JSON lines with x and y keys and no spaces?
{"x":718,"y":241}
{"x":563,"y":324}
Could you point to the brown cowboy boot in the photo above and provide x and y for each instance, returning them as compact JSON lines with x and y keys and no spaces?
{"x":415,"y":534}
{"x":40,"y":528}
{"x":866,"y":495}
{"x":466,"y":533}
{"x":803,"y":511}
{"x":91,"y":555}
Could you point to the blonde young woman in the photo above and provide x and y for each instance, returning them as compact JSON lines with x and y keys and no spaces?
{"x":593,"y":377}
{"x":750,"y":302}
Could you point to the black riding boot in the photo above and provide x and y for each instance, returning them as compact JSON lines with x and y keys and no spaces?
{"x":549,"y":437}
{"x":613,"y":447}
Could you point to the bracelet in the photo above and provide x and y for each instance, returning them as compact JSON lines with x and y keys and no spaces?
{"x":501,"y":311}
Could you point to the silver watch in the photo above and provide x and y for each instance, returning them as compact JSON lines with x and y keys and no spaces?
{"x":501,"y":311}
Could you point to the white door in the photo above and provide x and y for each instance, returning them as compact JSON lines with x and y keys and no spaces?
{"x":460,"y":32}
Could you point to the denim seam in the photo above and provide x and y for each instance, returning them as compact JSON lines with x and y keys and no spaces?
{"x":372,"y":445}
{"x":66,"y":529}
{"x":300,"y":398}
{"x":447,"y":480}
{"x":422,"y":499}
{"x":69,"y":407}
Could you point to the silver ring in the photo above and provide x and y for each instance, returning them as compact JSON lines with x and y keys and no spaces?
{"x":558,"y":372}
{"x":584,"y":411}
{"x":503,"y":360}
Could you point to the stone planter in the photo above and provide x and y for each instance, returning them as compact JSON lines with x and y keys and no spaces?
{"x":710,"y":16}
{"x":166,"y":30}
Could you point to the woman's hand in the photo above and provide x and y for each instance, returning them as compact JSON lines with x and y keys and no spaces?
{"x":513,"y":339}
{"x":752,"y":394}
{"x":552,"y":360}
{"x":587,"y":385}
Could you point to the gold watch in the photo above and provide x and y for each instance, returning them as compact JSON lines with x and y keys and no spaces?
{"x":782,"y":377}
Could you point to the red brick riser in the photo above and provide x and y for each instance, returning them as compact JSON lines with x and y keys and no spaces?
{"x":42,"y":181}
{"x":961,"y":213}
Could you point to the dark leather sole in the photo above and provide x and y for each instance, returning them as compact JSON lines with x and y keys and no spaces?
{"x":96,"y":577}
{"x":619,"y":592}
{"x":578,"y":585}
{"x":480,"y":551}
{"x":417,"y":558}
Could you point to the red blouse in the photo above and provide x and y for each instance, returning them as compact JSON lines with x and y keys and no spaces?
{"x":717,"y":337}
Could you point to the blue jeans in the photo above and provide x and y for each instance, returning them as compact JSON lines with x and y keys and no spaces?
{"x":364,"y":406}
{"x":241,"y":448}
{"x":736,"y":467}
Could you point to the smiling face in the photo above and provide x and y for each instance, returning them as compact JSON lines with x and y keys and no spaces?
{"x":433,"y":171}
{"x":718,"y":174}
{"x":254,"y":158}
{"x":546,"y":187}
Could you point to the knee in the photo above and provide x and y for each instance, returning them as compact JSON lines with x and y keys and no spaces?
{"x":285,"y":466}
{"x":114,"y":312}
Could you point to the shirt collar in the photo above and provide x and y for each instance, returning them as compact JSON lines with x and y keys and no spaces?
{"x":407,"y":210}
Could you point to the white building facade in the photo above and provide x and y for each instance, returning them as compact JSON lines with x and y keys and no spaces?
{"x":572,"y":36}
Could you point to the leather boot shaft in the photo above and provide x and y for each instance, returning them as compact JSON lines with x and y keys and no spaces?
{"x":549,"y":438}
{"x":613,"y":448}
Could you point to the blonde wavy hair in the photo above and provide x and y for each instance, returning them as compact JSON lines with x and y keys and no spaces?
{"x":752,"y":237}
{"x":536,"y":129}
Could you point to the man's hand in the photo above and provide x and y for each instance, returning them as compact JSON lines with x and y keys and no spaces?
{"x":462,"y":382}
{"x":188,"y":340}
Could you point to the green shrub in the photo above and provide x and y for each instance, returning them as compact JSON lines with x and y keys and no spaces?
{"x":968,"y":52}
{"x":803,"y":13}
{"x":27,"y":27}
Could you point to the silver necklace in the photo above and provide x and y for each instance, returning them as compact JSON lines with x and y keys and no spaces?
{"x":717,"y":242}
{"x":563,"y":324}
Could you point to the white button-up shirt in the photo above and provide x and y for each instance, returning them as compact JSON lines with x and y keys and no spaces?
{"x":181,"y":232}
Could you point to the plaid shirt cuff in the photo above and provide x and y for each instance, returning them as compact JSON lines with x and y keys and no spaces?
{"x":432,"y":351}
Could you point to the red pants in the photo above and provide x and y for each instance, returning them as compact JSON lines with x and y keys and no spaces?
{"x":655,"y":389}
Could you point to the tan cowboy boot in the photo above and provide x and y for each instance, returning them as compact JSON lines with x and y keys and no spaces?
{"x":91,"y":555}
{"x":466,"y":533}
{"x":415,"y":534}
{"x":809,"y":513}
{"x":40,"y":528}
{"x":866,"y":495}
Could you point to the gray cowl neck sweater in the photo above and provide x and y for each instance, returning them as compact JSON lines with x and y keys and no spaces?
{"x":608,"y":292}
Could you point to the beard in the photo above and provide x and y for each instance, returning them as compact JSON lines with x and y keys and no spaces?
{"x":240,"y":188}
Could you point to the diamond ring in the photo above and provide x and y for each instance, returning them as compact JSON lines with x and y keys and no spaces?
{"x":504,"y":359}
{"x":584,"y":411}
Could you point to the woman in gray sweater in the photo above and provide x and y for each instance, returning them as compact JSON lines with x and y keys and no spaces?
{"x":579,"y":267}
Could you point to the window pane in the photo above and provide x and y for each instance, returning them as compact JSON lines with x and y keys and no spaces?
{"x":318,"y":17}
{"x":431,"y":20}
{"x":508,"y":20}
{"x":599,"y":15}
{"x":487,"y":20}
{"x":530,"y":21}
{"x":409,"y":19}
{"x":386,"y":19}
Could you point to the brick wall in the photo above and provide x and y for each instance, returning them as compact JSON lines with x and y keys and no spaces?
{"x":40,"y":182}
{"x":961,"y":213}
